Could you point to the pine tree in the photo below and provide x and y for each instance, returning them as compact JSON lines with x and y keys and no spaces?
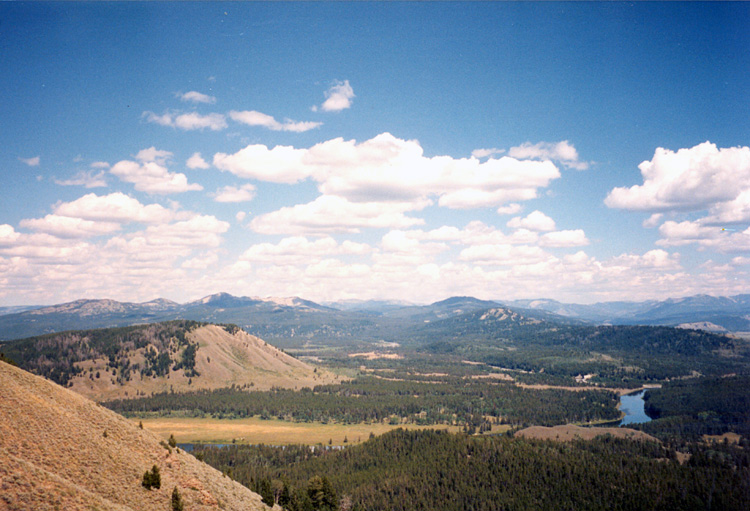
{"x":146,"y":482}
{"x":5,"y":359}
{"x":321,"y":494}
{"x":266,"y":492}
{"x":330,"y":502}
{"x":176,"y":500}
{"x":152,"y":479}
{"x":285,"y":496}
{"x":155,"y":477}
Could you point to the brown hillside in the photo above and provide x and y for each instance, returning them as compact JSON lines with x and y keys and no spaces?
{"x":235,"y":359}
{"x":61,"y":451}
{"x":570,"y":432}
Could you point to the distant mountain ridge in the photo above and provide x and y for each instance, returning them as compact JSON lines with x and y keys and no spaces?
{"x":454,"y":306}
{"x":14,"y":309}
{"x":729,"y":312}
{"x":294,"y":317}
{"x":368,"y":306}
{"x":105,"y":313}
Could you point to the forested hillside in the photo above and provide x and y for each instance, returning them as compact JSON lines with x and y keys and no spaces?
{"x":428,"y":470}
{"x":58,"y":356}
{"x":619,"y":355}
{"x":685,"y":410}
{"x":475,"y":404}
{"x":174,"y":356}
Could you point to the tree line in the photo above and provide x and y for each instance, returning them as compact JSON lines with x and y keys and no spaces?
{"x":433,"y":470}
{"x":686,"y":410}
{"x":368,"y":399}
{"x":552,"y":353}
{"x":55,"y":356}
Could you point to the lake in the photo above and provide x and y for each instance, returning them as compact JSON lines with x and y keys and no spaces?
{"x":632,"y":405}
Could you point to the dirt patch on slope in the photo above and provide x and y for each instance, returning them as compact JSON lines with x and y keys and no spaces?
{"x":373,"y":355}
{"x":569,"y":433}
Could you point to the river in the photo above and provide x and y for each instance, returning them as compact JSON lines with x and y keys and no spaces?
{"x":632,"y":405}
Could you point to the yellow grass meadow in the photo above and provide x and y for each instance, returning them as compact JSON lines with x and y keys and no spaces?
{"x":270,"y":432}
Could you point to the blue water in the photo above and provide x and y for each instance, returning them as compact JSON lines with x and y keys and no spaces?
{"x":189,"y":447}
{"x":633,"y":407}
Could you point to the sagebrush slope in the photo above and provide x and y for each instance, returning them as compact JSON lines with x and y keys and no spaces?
{"x":60,"y":450}
{"x":160,"y":357}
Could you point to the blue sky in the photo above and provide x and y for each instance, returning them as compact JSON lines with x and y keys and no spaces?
{"x":409,"y":151}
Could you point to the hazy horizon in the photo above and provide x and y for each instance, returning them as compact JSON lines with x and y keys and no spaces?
{"x":354,"y":300}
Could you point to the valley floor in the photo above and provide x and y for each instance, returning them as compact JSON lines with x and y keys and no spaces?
{"x":273,"y":432}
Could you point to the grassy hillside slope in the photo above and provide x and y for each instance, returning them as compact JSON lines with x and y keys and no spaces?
{"x":59,"y":450}
{"x":161,"y":357}
{"x":223,"y":358}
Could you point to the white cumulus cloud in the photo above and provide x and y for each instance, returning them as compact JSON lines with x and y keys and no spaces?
{"x":93,"y":215}
{"x":88,"y":179}
{"x":282,"y":164}
{"x":115,"y":207}
{"x":188,"y":121}
{"x":731,"y":212}
{"x":255,"y":118}
{"x":682,"y":233}
{"x":338,"y":97}
{"x":534,"y":221}
{"x":653,"y":220}
{"x":653,"y":259}
{"x":693,"y":179}
{"x":196,"y":161}
{"x":200,"y":231}
{"x":503,"y":254}
{"x":195,"y":121}
{"x":562,"y":152}
{"x":510,"y":209}
{"x":328,"y":214}
{"x":724,"y":240}
{"x":299,"y":250}
{"x":486,"y":153}
{"x":243,"y":193}
{"x":388,"y":169}
{"x":153,"y":154}
{"x":151,"y":174}
{"x":567,"y":238}
{"x":69,"y":227}
{"x":8,"y":235}
{"x":166,"y":119}
{"x":201,"y":262}
{"x":196,"y":97}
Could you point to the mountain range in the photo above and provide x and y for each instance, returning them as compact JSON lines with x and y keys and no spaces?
{"x":729,"y":313}
{"x":300,"y":319}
